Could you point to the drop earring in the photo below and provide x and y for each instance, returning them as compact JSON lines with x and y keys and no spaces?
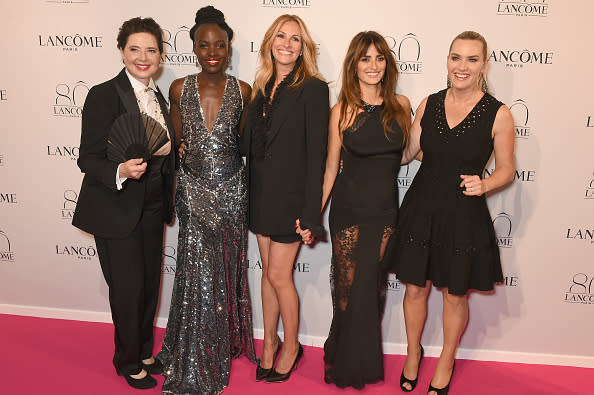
{"x":483,"y":85}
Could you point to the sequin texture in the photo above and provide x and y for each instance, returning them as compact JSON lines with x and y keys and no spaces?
{"x":210,"y":319}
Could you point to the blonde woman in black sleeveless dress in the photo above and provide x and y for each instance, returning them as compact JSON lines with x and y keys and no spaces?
{"x":445,"y":236}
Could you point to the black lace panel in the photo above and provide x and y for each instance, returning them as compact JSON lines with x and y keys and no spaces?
{"x":343,"y":266}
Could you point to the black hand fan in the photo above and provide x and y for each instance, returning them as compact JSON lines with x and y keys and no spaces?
{"x":135,"y":136}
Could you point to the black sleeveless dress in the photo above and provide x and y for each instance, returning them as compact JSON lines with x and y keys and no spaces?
{"x":443,"y":235}
{"x":362,"y":218}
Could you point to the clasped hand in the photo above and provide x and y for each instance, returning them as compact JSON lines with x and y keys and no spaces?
{"x":306,"y":236}
{"x":474,"y":185}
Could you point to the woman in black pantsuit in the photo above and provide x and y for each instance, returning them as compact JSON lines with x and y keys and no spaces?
{"x":286,"y":137}
{"x":124,"y":205}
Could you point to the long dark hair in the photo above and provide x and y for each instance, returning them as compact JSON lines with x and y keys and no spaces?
{"x":350,"y":92}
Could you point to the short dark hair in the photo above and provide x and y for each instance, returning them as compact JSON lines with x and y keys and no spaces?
{"x":209,"y":14}
{"x":140,"y":25}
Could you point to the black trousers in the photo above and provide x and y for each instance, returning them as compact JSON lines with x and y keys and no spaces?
{"x":132,"y":269}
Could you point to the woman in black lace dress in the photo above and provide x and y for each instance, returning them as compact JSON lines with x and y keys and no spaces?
{"x":445,"y":236}
{"x":368,"y":128}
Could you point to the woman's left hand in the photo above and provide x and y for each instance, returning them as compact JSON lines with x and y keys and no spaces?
{"x":474,"y":185}
{"x":306,"y":236}
{"x":182,"y":149}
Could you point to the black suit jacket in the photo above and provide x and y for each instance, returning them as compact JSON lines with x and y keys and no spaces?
{"x":101,"y":209}
{"x":287,"y":183}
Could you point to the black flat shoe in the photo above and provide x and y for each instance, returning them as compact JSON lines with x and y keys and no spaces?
{"x":446,"y":389}
{"x":142,"y":384}
{"x":276,"y":377}
{"x":262,"y":373}
{"x":413,"y":383}
{"x":153,"y":368}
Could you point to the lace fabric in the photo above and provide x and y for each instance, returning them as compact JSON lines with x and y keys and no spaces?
{"x":362,"y":217}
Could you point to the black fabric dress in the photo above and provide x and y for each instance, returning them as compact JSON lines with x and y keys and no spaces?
{"x":362,"y":218}
{"x":443,"y":235}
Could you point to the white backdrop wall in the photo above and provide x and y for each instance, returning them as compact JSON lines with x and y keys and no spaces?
{"x":540,"y":66}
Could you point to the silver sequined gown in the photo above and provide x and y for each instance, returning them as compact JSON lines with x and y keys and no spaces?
{"x":210,"y":319}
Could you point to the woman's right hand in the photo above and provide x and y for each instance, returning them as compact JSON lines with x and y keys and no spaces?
{"x":133,"y":168}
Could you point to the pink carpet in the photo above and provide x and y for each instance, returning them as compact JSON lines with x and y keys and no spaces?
{"x":48,"y":356}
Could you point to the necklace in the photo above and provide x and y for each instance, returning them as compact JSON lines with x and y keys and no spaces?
{"x":369,"y":108}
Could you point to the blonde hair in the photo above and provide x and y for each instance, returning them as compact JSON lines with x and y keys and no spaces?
{"x":307,"y":66}
{"x":470,"y":35}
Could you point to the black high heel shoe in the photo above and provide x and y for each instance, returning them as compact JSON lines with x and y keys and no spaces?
{"x":262,"y":373}
{"x":446,"y":389}
{"x":276,"y":377}
{"x":413,"y":383}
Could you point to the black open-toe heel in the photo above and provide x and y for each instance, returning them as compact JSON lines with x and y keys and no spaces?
{"x":413,"y":383}
{"x":262,"y":373}
{"x":446,"y":389}
{"x":276,"y":377}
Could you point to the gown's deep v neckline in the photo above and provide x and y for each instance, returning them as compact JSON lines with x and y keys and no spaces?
{"x":472,"y":110}
{"x":220,"y":107}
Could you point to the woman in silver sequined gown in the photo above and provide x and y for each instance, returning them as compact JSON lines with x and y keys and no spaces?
{"x":210,"y":319}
